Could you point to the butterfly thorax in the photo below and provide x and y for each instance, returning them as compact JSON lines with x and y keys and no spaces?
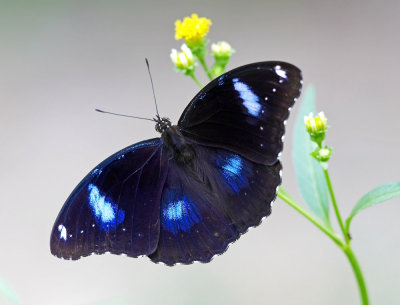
{"x":177,"y":145}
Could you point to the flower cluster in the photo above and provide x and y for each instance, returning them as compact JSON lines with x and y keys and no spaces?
{"x":193,"y":30}
{"x":316,"y":127}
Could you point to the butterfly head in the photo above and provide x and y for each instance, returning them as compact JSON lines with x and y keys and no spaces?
{"x":162,"y":124}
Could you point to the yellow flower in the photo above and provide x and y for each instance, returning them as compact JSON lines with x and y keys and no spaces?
{"x":182,"y":60}
{"x":192,"y":29}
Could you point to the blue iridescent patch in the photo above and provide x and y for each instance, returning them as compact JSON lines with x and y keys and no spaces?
{"x":105,"y":212}
{"x":231,"y":168}
{"x":250,"y":100}
{"x":179,"y":213}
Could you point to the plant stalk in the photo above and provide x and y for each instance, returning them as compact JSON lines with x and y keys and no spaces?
{"x":195,"y":80}
{"x":335,"y":206}
{"x":285,"y":196}
{"x":358,"y":273}
{"x":345,"y":246}
{"x":204,"y":65}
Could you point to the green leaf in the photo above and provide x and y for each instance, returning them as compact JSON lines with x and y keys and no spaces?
{"x":6,"y":292}
{"x":377,"y":195}
{"x":309,"y":173}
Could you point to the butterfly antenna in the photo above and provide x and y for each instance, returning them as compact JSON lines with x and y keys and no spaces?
{"x":152,"y":87}
{"x":129,"y":116}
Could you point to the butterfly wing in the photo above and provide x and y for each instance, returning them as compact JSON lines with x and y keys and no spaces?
{"x":206,"y":204}
{"x":235,"y":125}
{"x":145,"y":201}
{"x":116,"y":207}
{"x":244,"y":110}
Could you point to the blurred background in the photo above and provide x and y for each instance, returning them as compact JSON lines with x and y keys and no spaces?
{"x":61,"y":59}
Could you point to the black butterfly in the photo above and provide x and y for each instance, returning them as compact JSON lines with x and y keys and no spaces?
{"x":187,"y":195}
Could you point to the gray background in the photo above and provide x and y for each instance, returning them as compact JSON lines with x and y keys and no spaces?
{"x":60,"y":59}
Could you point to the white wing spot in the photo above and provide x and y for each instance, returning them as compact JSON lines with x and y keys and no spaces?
{"x":249,"y":98}
{"x":63,"y":232}
{"x":280,"y":72}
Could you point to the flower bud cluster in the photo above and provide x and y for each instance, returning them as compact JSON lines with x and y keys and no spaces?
{"x":194,"y":29}
{"x":316,"y":127}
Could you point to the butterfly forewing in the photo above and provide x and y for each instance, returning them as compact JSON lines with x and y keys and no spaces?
{"x":244,"y":110}
{"x":116,"y":208}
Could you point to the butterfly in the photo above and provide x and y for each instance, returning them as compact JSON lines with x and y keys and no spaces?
{"x":187,"y":195}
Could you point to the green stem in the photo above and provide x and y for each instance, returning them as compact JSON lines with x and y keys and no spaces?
{"x":335,"y":206}
{"x":345,"y":246}
{"x":204,"y":65}
{"x":358,"y":273}
{"x":196,"y":80}
{"x":285,"y":196}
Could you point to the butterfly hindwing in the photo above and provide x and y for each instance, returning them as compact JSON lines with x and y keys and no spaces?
{"x":244,"y":110}
{"x":193,"y":227}
{"x":246,"y":189}
{"x":206,"y":204}
{"x":116,"y":207}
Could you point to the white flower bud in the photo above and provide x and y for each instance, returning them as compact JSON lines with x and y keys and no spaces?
{"x":182,"y":60}
{"x":316,"y":124}
{"x":221,"y":49}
